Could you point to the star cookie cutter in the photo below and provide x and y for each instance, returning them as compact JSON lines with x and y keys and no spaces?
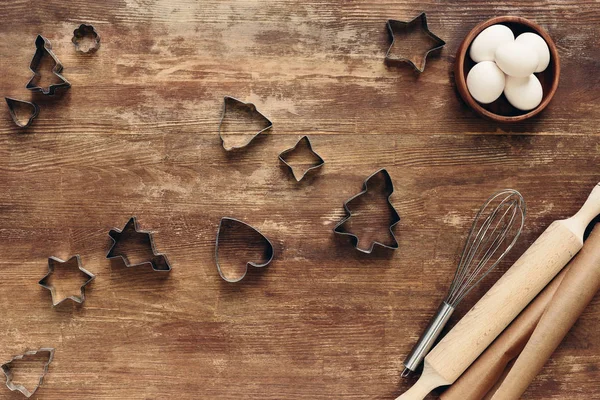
{"x":86,"y":31}
{"x":248,"y":108}
{"x":236,"y":223}
{"x":395,"y":217}
{"x":14,"y":103}
{"x":419,"y":22}
{"x":305,"y":143}
{"x":52,"y":262}
{"x":9,"y":375}
{"x":159,"y":262}
{"x":44,"y":47}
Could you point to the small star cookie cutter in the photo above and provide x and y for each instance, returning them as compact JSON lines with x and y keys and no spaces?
{"x":86,"y":31}
{"x":9,"y":375}
{"x":269,"y":250}
{"x":52,"y":261}
{"x":248,"y":108}
{"x":160,"y":261}
{"x":44,"y":47}
{"x":305,"y":143}
{"x":14,"y":103}
{"x":419,"y":22}
{"x":395,"y":217}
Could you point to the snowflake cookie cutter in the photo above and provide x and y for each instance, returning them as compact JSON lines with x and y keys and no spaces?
{"x":52,"y":262}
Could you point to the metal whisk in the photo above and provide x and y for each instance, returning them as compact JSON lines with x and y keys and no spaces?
{"x":494,"y":232}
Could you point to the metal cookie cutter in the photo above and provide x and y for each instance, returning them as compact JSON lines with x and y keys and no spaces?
{"x":303,"y":143}
{"x":14,"y":103}
{"x":44,"y":47}
{"x":419,"y":22}
{"x":394,"y":220}
{"x":250,"y":109}
{"x":76,"y":260}
{"x":6,"y":369}
{"x":158,"y":263}
{"x":235,"y":223}
{"x":86,"y":31}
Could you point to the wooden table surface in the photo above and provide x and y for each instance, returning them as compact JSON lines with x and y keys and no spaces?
{"x":137,"y":135}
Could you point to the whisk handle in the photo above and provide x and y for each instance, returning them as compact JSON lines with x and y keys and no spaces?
{"x":428,"y":338}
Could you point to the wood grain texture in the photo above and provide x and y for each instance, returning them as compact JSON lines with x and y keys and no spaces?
{"x":137,"y":135}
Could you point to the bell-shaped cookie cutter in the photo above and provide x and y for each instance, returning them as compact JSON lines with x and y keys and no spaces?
{"x":249,"y":108}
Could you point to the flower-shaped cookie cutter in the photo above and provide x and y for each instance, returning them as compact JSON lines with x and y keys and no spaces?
{"x":86,"y":32}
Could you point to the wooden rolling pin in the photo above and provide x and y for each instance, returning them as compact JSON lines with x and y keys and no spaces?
{"x":505,"y":300}
{"x":575,"y":292}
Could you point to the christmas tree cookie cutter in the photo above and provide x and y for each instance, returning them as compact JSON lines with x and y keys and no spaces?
{"x":237,"y":224}
{"x":6,"y":369}
{"x":396,"y":28}
{"x":43,"y":48}
{"x":248,"y":108}
{"x":52,"y":262}
{"x":304,"y":142}
{"x":395,"y":217}
{"x":159,"y":262}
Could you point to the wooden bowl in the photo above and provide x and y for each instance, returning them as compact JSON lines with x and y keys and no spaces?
{"x":501,"y":110}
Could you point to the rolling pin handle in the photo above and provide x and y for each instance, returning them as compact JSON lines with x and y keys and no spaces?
{"x":590,"y":209}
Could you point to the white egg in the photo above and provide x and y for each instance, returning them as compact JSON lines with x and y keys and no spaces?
{"x":485,"y":44}
{"x":516,"y":59}
{"x":485,"y":82}
{"x":523,"y":93}
{"x":537,"y":43}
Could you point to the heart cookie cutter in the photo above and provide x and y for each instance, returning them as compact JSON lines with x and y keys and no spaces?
{"x":240,"y":224}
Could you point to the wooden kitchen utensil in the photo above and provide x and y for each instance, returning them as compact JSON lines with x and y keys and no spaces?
{"x":575,"y":292}
{"x":505,"y":300}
